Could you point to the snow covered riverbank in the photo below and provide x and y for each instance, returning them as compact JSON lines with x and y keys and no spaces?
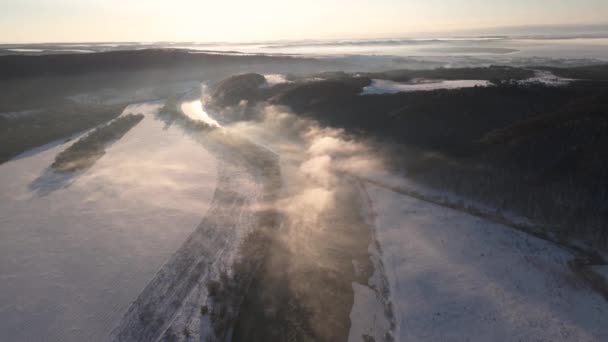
{"x":456,"y":277}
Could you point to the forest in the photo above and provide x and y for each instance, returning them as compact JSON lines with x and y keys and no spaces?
{"x":528,"y":148}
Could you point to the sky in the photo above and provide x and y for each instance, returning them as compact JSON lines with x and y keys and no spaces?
{"x":23,"y":21}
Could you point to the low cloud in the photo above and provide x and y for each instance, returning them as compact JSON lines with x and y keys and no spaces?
{"x":314,"y":158}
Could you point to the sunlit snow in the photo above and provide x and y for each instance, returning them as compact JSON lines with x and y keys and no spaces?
{"x":391,"y":87}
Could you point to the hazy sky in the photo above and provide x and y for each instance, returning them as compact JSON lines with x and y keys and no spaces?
{"x":232,"y":20}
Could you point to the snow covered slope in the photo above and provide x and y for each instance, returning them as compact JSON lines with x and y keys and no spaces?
{"x":75,"y":250}
{"x":455,"y":277}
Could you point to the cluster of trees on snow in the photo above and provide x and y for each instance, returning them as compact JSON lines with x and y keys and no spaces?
{"x":88,"y":149}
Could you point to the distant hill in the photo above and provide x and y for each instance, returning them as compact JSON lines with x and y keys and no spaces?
{"x":20,"y":66}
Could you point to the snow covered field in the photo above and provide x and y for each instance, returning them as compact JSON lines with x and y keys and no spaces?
{"x":274,"y":79}
{"x":77,"y":249}
{"x":391,"y":87}
{"x":547,"y":78}
{"x":455,"y":277}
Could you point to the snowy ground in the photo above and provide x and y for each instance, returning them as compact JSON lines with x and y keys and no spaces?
{"x":274,"y":79}
{"x":172,"y":301}
{"x":547,"y":78}
{"x":455,"y":277}
{"x":391,"y":87}
{"x":169,"y":308}
{"x":77,"y":249}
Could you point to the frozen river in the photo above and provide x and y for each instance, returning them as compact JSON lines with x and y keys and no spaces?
{"x":76,"y":251}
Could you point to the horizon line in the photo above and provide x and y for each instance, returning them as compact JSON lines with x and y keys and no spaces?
{"x":456,"y":33}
